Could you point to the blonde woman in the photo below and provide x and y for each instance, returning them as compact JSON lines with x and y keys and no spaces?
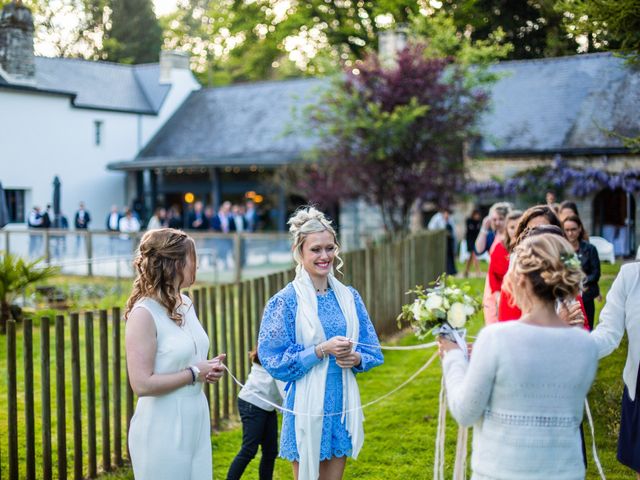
{"x":525,"y":386}
{"x":169,"y":436}
{"x":310,"y":337}
{"x":488,"y":240}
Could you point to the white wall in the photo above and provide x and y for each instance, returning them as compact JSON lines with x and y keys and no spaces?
{"x":43,"y":135}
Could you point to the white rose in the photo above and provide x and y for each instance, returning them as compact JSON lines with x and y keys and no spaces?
{"x":468,"y":309}
{"x":457,"y":316}
{"x":417,"y":309}
{"x":433,"y":301}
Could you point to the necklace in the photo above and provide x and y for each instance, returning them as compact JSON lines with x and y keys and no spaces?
{"x":323,"y":290}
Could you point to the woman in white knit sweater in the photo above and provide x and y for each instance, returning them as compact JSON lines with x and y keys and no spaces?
{"x":525,"y":386}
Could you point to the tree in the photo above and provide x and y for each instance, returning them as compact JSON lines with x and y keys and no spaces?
{"x":607,"y":24}
{"x":15,"y":275}
{"x":262,"y":39}
{"x":392,"y":136}
{"x":535,"y":27}
{"x":134,"y":34}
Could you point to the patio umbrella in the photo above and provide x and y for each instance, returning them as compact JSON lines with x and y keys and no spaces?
{"x":4,"y":211}
{"x":56,"y":202}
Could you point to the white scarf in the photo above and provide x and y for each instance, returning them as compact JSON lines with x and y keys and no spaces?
{"x":310,"y":389}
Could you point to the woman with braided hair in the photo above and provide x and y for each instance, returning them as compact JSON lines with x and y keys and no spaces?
{"x":316,"y":335}
{"x":169,"y":436}
{"x":525,"y":386}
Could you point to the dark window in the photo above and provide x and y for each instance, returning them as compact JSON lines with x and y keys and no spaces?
{"x":15,"y":205}
{"x":98,"y":127}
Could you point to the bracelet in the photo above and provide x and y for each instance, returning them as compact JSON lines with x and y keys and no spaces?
{"x":484,"y":230}
{"x":193,"y":375}
{"x":322,"y":350}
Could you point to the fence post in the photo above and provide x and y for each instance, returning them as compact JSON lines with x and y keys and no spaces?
{"x":88,"y":239}
{"x":117,"y":380}
{"x":47,"y":249}
{"x":45,"y":377}
{"x":91,"y":393}
{"x":224,"y":315}
{"x":61,"y":434}
{"x":213,"y":297}
{"x":203,"y":315}
{"x":237,"y":257}
{"x":76,"y":395}
{"x":104,"y":390}
{"x":12,"y":400}
{"x":30,"y":429}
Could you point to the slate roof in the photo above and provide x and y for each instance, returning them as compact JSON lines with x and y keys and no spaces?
{"x":546,"y":106}
{"x":100,"y":85}
{"x":244,"y":124}
{"x":564,"y":104}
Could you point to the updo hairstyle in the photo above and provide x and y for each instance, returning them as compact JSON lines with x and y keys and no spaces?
{"x":159,"y":265}
{"x":545,"y":260}
{"x":308,"y":220}
{"x":501,"y":208}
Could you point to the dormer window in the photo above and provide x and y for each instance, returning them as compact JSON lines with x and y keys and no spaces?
{"x":98,"y":132}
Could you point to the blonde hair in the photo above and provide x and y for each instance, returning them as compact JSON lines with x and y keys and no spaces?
{"x":159,"y":266}
{"x":513,"y":215}
{"x":501,"y":208}
{"x":544,"y":260}
{"x":307,"y":220}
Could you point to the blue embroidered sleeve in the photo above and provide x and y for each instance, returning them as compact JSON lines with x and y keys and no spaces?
{"x":279,"y":353}
{"x":371,"y":356}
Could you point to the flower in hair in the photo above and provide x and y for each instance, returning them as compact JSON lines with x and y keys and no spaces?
{"x":571,"y":260}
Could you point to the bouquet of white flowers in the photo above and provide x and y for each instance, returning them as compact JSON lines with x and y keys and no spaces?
{"x":440,"y":310}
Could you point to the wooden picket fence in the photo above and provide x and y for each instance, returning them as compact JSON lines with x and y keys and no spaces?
{"x":92,"y":411}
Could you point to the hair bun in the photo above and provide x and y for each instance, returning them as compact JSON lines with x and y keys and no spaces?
{"x":304,"y":215}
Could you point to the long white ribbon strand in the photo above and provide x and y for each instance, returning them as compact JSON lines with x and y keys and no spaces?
{"x":379,"y":399}
{"x":596,"y":459}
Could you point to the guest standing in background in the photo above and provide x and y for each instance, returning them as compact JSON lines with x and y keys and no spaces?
{"x":473,"y":228}
{"x":81,"y":221}
{"x":259,"y":421}
{"x":590,"y":261}
{"x":499,"y":262}
{"x":488,"y":240}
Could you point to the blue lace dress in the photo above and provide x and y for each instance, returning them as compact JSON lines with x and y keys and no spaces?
{"x":288,"y":361}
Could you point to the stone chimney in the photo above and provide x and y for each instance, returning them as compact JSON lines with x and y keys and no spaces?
{"x":172,"y":60}
{"x":390,"y":42}
{"x":16,"y":44}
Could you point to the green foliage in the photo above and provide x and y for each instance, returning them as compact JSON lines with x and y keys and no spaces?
{"x":444,"y":38}
{"x":432,"y":306}
{"x":15,"y":275}
{"x":535,"y":28}
{"x":134,"y":34}
{"x":605,"y":24}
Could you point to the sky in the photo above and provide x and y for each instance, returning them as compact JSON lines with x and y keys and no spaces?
{"x":162,"y":7}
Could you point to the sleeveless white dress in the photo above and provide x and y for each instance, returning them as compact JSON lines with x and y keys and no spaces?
{"x":170,"y":436}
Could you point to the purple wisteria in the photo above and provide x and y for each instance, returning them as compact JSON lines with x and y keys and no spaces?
{"x":576,"y":182}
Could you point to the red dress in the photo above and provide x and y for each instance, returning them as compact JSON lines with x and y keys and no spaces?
{"x":498,"y":267}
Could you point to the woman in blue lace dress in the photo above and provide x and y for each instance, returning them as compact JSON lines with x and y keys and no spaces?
{"x":316,"y":335}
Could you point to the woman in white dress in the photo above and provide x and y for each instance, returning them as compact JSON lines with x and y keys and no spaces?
{"x":525,"y":386}
{"x":169,"y":436}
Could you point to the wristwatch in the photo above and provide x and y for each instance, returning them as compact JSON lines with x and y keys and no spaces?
{"x":196,"y":373}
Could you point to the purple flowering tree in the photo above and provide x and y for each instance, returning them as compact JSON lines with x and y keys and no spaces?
{"x":392,"y":136}
{"x":577,"y":182}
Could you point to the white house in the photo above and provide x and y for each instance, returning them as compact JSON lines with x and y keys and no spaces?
{"x":70,"y":118}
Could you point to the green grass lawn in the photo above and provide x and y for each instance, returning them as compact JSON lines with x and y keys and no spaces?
{"x":400,"y":430}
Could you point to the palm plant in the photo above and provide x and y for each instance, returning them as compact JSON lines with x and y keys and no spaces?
{"x":15,"y":274}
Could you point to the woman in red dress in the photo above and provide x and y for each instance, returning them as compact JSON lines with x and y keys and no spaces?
{"x":499,"y":263}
